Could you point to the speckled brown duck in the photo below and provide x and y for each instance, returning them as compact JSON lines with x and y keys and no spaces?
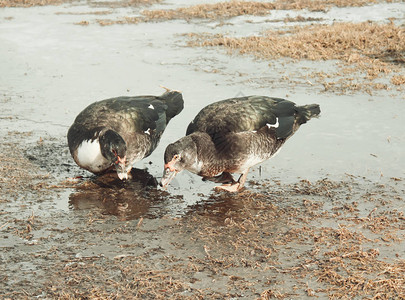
{"x":120,"y":131}
{"x":231,"y":136}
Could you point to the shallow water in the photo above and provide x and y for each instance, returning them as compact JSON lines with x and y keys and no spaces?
{"x":55,"y":69}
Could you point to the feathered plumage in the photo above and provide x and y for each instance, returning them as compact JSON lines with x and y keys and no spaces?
{"x":121,"y":131}
{"x":232,"y":135}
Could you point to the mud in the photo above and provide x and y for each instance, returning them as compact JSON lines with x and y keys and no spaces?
{"x":324,"y":218}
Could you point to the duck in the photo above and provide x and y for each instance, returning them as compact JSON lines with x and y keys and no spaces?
{"x":233,"y":135}
{"x":116,"y":133}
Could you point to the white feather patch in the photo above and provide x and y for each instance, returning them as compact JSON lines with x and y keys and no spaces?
{"x":89,"y":156}
{"x":147,"y":131}
{"x":151,"y":106}
{"x":273,"y":125}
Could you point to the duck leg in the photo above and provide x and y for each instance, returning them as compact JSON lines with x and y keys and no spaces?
{"x":236,"y":186}
{"x":225,"y":177}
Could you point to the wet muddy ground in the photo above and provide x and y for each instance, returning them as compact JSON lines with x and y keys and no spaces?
{"x":324,"y":218}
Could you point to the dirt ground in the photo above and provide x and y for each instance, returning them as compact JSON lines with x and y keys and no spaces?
{"x":336,"y":239}
{"x":65,"y":234}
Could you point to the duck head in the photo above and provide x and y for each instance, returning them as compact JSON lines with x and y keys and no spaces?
{"x":114,"y":148}
{"x":179,"y":155}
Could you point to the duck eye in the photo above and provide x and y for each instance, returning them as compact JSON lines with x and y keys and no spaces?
{"x":176,"y":157}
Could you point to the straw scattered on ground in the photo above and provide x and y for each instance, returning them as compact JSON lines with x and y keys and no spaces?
{"x":252,"y":245}
{"x":230,"y":9}
{"x":110,"y":4}
{"x":17,"y":173}
{"x":367,"y":50}
{"x":29,"y":3}
{"x":324,"y":239}
{"x":226,"y":9}
{"x":344,"y":41}
{"x":372,"y":54}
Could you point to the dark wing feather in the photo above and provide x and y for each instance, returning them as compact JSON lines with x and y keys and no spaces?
{"x":244,"y":114}
{"x":235,"y":115}
{"x":129,"y":114}
{"x":174,"y":102}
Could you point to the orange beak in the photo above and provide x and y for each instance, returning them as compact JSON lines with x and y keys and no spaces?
{"x":121,"y":168}
{"x":170,"y":166}
{"x":168,"y":174}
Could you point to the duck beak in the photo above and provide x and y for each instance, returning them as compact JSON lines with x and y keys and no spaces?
{"x":122,"y":175}
{"x":121,"y":168}
{"x":168,"y":174}
{"x":167,"y":177}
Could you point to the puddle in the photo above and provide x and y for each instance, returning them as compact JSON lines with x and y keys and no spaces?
{"x":127,"y":200}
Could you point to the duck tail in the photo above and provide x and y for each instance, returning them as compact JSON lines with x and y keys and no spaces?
{"x":174,"y":102}
{"x":307,"y":112}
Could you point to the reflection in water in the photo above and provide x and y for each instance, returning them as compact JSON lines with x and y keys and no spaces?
{"x":140,"y":197}
{"x":132,"y":199}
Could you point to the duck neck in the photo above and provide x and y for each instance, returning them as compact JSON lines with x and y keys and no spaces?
{"x":208,"y":160}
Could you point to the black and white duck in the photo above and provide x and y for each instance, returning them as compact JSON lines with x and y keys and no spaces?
{"x":120,"y":131}
{"x":231,"y":136}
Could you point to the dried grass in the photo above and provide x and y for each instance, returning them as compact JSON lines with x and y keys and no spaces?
{"x":237,"y":8}
{"x":398,"y":79}
{"x":353,"y":43}
{"x":112,"y":4}
{"x":28,"y":3}
{"x":374,"y":49}
{"x":211,"y":11}
{"x":229,"y":9}
{"x":17,"y":171}
{"x":248,"y":245}
{"x":348,"y":274}
{"x":339,"y":258}
{"x":123,"y":3}
{"x":326,"y":239}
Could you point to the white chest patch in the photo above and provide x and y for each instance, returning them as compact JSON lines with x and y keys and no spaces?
{"x":89,"y":156}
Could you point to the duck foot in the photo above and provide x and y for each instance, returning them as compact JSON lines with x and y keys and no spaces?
{"x":225,"y":177}
{"x":233,"y":188}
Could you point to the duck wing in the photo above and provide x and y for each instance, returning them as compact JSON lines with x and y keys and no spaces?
{"x":125,"y":114}
{"x":131,"y":117}
{"x":244,"y":114}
